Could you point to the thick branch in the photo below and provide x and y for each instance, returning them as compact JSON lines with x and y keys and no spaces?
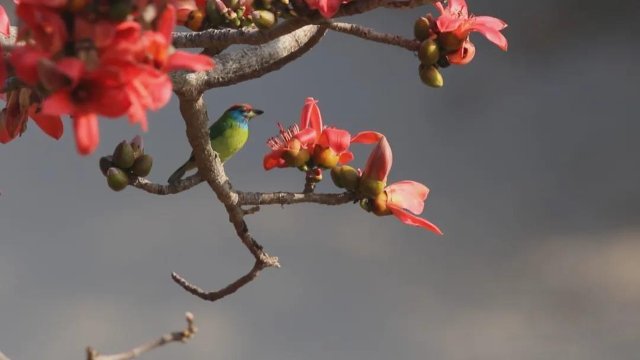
{"x":228,"y":290}
{"x":211,"y":170}
{"x":178,"y":336}
{"x":372,"y":35}
{"x":249,"y":63}
{"x":220,"y":38}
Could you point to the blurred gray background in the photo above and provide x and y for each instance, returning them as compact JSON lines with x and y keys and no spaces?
{"x":531,"y":157}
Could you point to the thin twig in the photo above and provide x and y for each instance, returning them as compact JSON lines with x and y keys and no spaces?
{"x":177,"y":336}
{"x":228,"y":290}
{"x":169,"y":189}
{"x":372,"y":35}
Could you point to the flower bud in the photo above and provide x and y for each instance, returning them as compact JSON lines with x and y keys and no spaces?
{"x":365,"y":205}
{"x":431,"y":76}
{"x":123,"y":155}
{"x":137,"y":145}
{"x":142,"y":165}
{"x":421,"y":28}
{"x":263,"y":19}
{"x":194,"y":20}
{"x":213,"y":15}
{"x":345,"y":177}
{"x":379,"y":205}
{"x":117,"y":179}
{"x":296,"y":158}
{"x":105,"y":163}
{"x":449,"y":41}
{"x":370,"y":188}
{"x":325,"y":157}
{"x":428,"y":52}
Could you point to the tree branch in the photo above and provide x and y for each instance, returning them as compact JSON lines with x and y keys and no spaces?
{"x":170,"y":189}
{"x":3,"y":356}
{"x":248,"y":63}
{"x":177,"y":336}
{"x":228,"y":290}
{"x":372,"y":35}
{"x":220,"y":38}
{"x":288,"y":198}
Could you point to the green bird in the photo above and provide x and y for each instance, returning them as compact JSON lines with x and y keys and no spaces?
{"x":228,"y":135}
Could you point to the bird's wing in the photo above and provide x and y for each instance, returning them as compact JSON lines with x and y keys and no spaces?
{"x":219,"y":127}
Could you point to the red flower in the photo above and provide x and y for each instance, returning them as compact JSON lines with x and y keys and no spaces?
{"x":327,"y":8}
{"x":20,"y":107}
{"x":98,"y":92}
{"x":328,"y":146}
{"x":456,"y":23}
{"x":381,"y":158}
{"x":405,"y":200}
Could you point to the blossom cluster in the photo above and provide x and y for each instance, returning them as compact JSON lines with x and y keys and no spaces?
{"x":87,"y":59}
{"x":445,"y":40}
{"x":312,"y":147}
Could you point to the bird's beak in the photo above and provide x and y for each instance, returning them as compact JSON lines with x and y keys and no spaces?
{"x":255,"y":112}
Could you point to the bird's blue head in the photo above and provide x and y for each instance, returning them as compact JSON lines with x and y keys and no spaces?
{"x":242,"y":113}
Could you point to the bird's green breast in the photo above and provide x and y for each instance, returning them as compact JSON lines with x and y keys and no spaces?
{"x":230,"y":141}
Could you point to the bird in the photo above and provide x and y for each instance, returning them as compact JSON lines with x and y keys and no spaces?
{"x":228,"y":135}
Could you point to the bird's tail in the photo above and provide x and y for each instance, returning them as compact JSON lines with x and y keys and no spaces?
{"x":178,"y":174}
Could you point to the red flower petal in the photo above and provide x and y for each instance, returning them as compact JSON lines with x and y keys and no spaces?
{"x":50,"y":125}
{"x":307,"y":137}
{"x":87,"y":133}
{"x":167,"y":22}
{"x":346,"y":157}
{"x":25,"y":60}
{"x":367,"y":137}
{"x":490,"y":27}
{"x":407,"y":194}
{"x":336,"y":139}
{"x":310,"y":116}
{"x":188,"y":61}
{"x":273,"y":159}
{"x":4,"y":22}
{"x":379,"y":162}
{"x":5,"y":137}
{"x":410,"y":219}
{"x":58,"y":103}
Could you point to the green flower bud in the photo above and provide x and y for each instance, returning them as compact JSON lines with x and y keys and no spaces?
{"x":263,"y":19}
{"x":325,"y":157}
{"x":428,"y":52}
{"x":117,"y":179}
{"x":123,"y":155}
{"x":303,"y":168}
{"x":137,"y":145}
{"x":421,"y":29}
{"x":431,"y":76}
{"x":345,"y":177}
{"x":364,"y":204}
{"x":232,"y":4}
{"x":142,"y":165}
{"x":213,"y":15}
{"x":105,"y":163}
{"x":370,"y":188}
